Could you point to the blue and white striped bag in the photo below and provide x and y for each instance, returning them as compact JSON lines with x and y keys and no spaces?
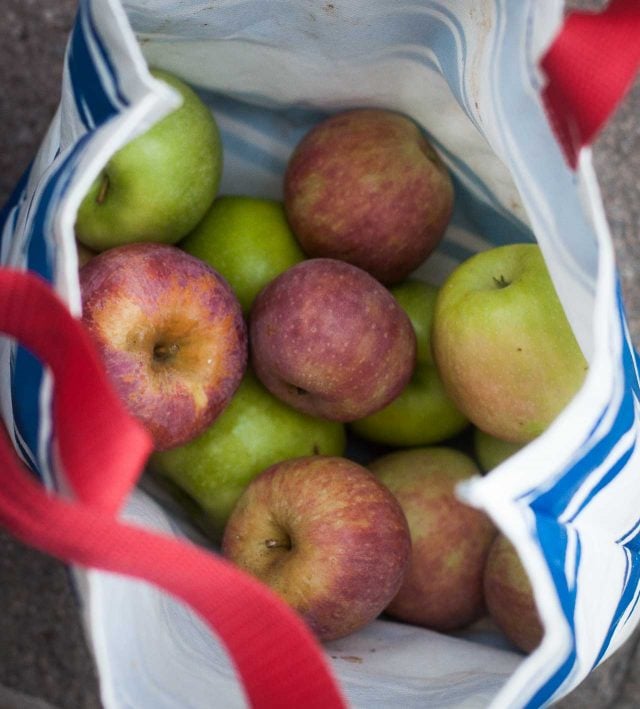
{"x":468,"y":72}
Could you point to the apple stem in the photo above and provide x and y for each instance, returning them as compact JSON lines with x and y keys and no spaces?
{"x":104,"y":189}
{"x":501,"y":282}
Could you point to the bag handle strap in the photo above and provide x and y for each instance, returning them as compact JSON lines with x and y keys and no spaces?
{"x":277,"y":658}
{"x":590,"y":66}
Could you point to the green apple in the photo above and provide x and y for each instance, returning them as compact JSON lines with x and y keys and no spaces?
{"x":255,"y":431}
{"x":423,"y":413}
{"x":248,"y":241}
{"x":503,"y":345}
{"x":491,"y":451}
{"x":160,"y":184}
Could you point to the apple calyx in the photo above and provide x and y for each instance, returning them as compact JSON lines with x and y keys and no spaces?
{"x":163,"y":353}
{"x":278,"y":544}
{"x":105,"y":183}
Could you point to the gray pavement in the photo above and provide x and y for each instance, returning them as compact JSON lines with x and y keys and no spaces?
{"x":44,"y":662}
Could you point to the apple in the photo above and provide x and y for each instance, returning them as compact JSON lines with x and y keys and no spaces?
{"x":85,"y":254}
{"x":503,"y":345}
{"x":159,"y":185}
{"x":422,"y":414}
{"x":326,"y":536}
{"x":491,"y":451}
{"x":367,"y":187}
{"x":331,"y":341}
{"x":509,"y":596}
{"x":171,"y":335}
{"x":248,"y":241}
{"x":255,"y":431}
{"x":443,"y":585}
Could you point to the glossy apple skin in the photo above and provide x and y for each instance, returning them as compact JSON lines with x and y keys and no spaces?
{"x":170,"y":333}
{"x":255,"y":431}
{"x":442,"y":588}
{"x":248,"y":241}
{"x":331,"y":341}
{"x":422,"y":414}
{"x":491,"y":451}
{"x":509,"y":596}
{"x":159,"y":185}
{"x":503,"y":346}
{"x":366,"y":186}
{"x":326,"y":536}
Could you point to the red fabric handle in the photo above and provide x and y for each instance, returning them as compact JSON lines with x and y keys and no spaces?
{"x":278,"y":660}
{"x":590,"y":67}
{"x":93,"y":430}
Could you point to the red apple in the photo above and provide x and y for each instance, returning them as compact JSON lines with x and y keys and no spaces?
{"x":331,"y":341}
{"x":171,"y":334}
{"x":366,"y":186}
{"x":442,"y":588}
{"x":326,"y":536}
{"x":509,"y":596}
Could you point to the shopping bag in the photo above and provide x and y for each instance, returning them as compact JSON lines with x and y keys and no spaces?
{"x":510,"y":96}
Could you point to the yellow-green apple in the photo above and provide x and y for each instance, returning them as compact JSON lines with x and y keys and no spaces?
{"x":331,"y":341}
{"x":422,"y":414}
{"x":491,"y":451}
{"x":159,"y":185}
{"x":248,"y":241}
{"x":502,"y":343}
{"x":171,"y":335}
{"x":509,"y":596}
{"x":255,"y":431}
{"x":85,"y":254}
{"x":367,"y":187}
{"x":442,"y":588}
{"x":326,"y":536}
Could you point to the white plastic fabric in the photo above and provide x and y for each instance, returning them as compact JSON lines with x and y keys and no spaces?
{"x":467,"y":72}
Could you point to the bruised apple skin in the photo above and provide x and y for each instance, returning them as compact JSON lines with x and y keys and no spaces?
{"x":326,"y":536}
{"x":509,"y":596}
{"x":331,"y":341}
{"x":170,"y":333}
{"x":443,"y":586}
{"x":365,"y":186}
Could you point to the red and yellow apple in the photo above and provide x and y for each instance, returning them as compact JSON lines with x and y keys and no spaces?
{"x":443,"y":586}
{"x":326,"y":536}
{"x":331,"y":341}
{"x":509,"y":596}
{"x":170,"y":333}
{"x":367,"y":187}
